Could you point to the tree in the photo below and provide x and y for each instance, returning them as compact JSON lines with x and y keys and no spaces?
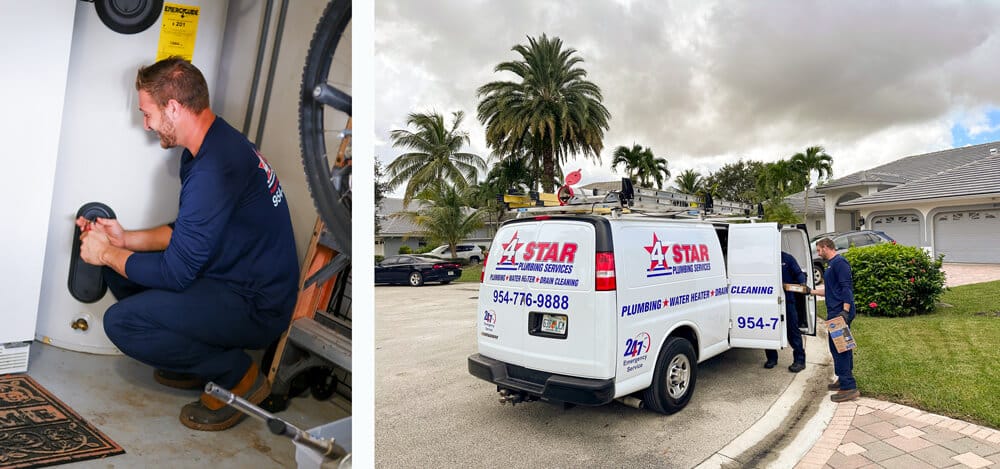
{"x":689,"y":182}
{"x":380,"y":191}
{"x":736,"y":182}
{"x":514,"y":172}
{"x":778,"y":179}
{"x":550,"y":112}
{"x":641,"y":165}
{"x":814,"y":159}
{"x":436,"y":155}
{"x":444,"y":216}
{"x":778,"y":211}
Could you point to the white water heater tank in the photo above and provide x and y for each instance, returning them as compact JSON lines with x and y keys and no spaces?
{"x":106,"y":156}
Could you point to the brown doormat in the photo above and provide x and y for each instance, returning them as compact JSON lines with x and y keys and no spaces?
{"x":36,"y":429}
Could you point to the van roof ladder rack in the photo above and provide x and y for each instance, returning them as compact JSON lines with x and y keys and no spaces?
{"x":632,"y":200}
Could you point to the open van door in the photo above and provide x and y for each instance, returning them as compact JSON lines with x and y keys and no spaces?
{"x":795,"y":241}
{"x":757,"y":309}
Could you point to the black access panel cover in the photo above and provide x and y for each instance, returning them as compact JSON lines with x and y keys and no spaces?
{"x":86,"y":282}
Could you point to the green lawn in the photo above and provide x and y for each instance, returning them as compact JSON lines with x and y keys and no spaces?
{"x":470,"y":273}
{"x":947,"y":362}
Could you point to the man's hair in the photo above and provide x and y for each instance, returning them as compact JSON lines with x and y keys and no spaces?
{"x":827,"y":243}
{"x":174,"y":78}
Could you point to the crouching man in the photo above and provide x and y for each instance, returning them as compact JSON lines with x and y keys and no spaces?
{"x":194,"y":294}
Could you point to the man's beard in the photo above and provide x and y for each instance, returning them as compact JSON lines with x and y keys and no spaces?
{"x":167,"y":133}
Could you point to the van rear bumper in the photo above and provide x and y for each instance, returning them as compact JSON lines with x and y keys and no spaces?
{"x":548,"y":386}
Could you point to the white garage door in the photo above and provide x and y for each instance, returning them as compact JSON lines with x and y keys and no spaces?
{"x":968,"y":236}
{"x":905,"y":229}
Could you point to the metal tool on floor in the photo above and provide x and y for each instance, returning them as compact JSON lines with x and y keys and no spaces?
{"x":327,"y":447}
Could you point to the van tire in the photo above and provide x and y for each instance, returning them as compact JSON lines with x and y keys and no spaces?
{"x":416,"y":279}
{"x":817,"y":274}
{"x":474,"y":260}
{"x":674,"y":377}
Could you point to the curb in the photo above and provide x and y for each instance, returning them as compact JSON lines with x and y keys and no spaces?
{"x":818,"y":363}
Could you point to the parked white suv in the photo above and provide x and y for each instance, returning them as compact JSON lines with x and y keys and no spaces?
{"x":463,"y":251}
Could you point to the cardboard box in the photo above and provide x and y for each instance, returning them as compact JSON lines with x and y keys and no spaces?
{"x":841,"y":334}
{"x":796,"y":288}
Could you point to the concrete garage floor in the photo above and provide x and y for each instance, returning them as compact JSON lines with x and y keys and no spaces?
{"x":429,"y":412}
{"x":118,"y":395}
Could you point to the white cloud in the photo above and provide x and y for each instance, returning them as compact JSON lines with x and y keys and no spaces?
{"x":705,"y":83}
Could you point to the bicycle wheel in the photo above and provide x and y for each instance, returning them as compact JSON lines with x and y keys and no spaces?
{"x":325,"y":92}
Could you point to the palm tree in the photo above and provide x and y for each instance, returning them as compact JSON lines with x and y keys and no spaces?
{"x":512,"y":173}
{"x":689,"y":182}
{"x":517,"y":172}
{"x":778,"y":179}
{"x":641,"y":165}
{"x":444,"y":216}
{"x":436,"y":155}
{"x":814,"y":159}
{"x":551,"y":111}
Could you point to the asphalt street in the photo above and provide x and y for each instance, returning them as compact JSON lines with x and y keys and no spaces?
{"x":430,"y":412}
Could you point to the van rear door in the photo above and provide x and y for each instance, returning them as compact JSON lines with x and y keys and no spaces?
{"x":795,"y":241}
{"x":757,"y":313}
{"x":538,"y":301}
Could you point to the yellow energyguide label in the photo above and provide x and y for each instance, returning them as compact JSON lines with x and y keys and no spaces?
{"x":178,"y":31}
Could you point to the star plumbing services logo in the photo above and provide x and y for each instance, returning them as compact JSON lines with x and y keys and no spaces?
{"x":509,"y":254}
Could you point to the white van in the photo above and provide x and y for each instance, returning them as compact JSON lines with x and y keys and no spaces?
{"x":585,"y":309}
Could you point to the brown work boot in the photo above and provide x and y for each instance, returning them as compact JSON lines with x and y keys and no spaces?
{"x":211,"y":414}
{"x":834,"y":386}
{"x":844,"y":396}
{"x":178,"y":380}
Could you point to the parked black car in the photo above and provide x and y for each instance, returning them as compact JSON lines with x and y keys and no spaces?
{"x":843,"y":241}
{"x":415,"y":270}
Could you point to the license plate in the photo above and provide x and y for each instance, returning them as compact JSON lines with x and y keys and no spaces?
{"x":451,"y":273}
{"x":554,"y":323}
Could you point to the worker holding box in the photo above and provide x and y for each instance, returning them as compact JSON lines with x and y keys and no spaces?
{"x":791,"y":276}
{"x":839,"y":292}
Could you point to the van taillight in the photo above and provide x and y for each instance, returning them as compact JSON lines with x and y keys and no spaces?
{"x":482,"y":273}
{"x":604,"y":272}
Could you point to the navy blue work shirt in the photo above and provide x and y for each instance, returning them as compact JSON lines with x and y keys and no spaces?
{"x":839,"y":286}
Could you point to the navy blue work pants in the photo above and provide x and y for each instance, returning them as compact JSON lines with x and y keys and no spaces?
{"x":843,"y":363}
{"x":202,"y":330}
{"x":793,"y":333}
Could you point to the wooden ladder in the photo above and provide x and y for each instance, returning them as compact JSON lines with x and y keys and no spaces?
{"x":307,"y":343}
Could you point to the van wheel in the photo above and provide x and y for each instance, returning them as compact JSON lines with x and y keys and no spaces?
{"x":674,"y":377}
{"x":416,"y":279}
{"x":474,"y":260}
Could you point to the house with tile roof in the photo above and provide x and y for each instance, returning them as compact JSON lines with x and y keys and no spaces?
{"x":945,"y":201}
{"x":397,"y":231}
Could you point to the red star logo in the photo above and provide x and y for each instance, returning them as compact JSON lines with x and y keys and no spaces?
{"x":657,"y":254}
{"x":510,"y":250}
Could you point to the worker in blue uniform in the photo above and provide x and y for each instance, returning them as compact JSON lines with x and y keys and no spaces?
{"x":791,"y":273}
{"x":838,"y":288}
{"x":193,"y":294}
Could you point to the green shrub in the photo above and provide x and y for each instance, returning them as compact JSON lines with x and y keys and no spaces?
{"x":404,"y":249}
{"x":894,"y":280}
{"x":379,"y":259}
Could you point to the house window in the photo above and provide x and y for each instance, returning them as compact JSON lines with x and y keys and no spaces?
{"x":817,"y":225}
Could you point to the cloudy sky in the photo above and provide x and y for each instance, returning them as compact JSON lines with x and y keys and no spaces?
{"x":704,"y":83}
